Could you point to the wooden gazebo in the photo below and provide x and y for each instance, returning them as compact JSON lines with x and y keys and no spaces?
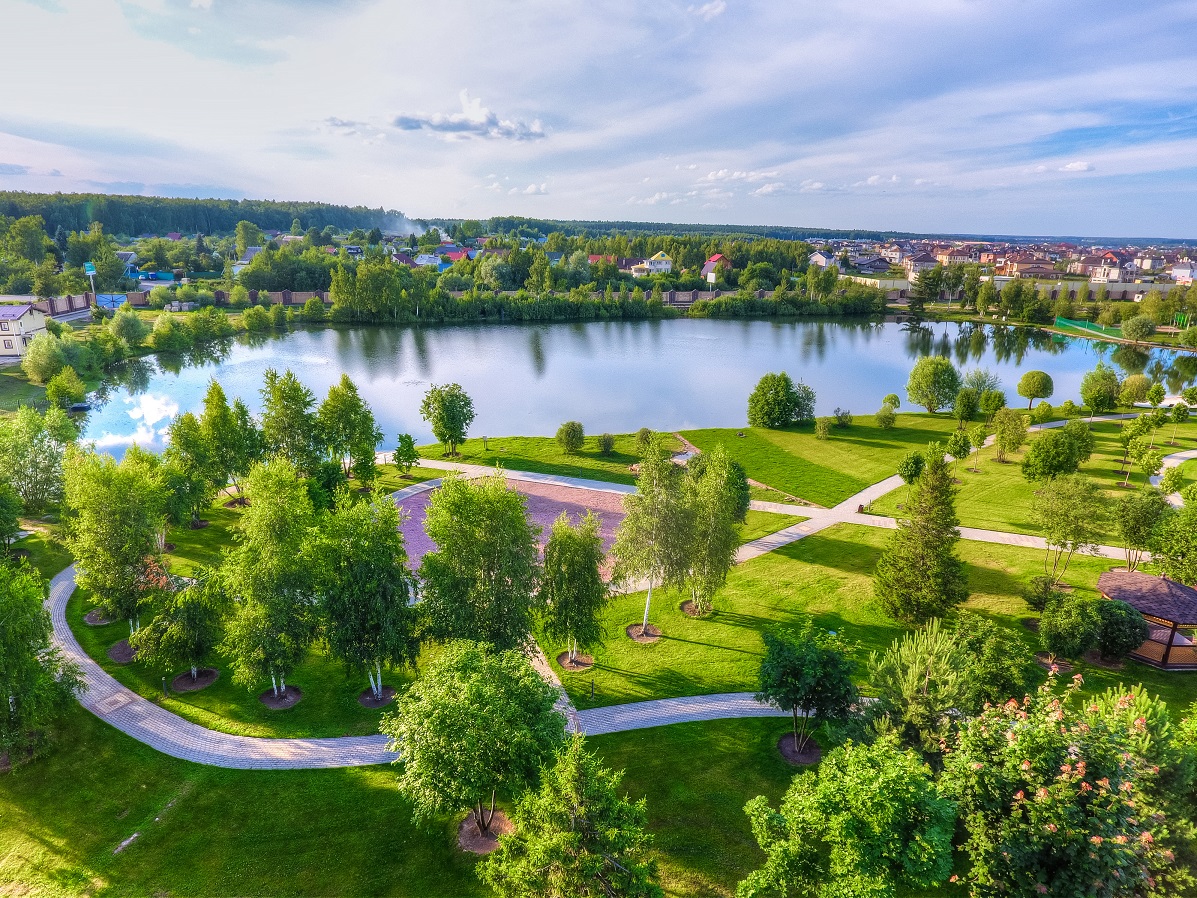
{"x":1170,"y":609}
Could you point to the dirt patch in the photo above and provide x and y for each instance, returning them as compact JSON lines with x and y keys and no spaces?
{"x":96,"y":618}
{"x":168,"y":547}
{"x":204,"y":678}
{"x":1093,"y":656}
{"x":1041,"y":658}
{"x":289,"y":698}
{"x":645,"y":636}
{"x":1031,"y":623}
{"x":367,"y":700}
{"x":581,"y":662}
{"x":18,"y":553}
{"x":239,"y":502}
{"x":469,"y":839}
{"x":121,"y":653}
{"x":199,"y":524}
{"x":691,"y":610}
{"x":810,"y":753}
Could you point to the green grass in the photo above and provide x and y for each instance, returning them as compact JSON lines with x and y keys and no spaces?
{"x":46,"y":554}
{"x":16,"y":390}
{"x":826,"y":576}
{"x":825,"y":472}
{"x":762,"y":523}
{"x":542,"y":455}
{"x":998,"y":497}
{"x":391,"y":480}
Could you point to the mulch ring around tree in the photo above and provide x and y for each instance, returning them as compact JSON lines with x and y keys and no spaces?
{"x":96,"y":618}
{"x":199,"y":524}
{"x":810,"y":753}
{"x":121,"y":653}
{"x":204,"y":678}
{"x":1044,"y":661}
{"x":691,"y":610}
{"x":1093,"y":656}
{"x":288,"y":698}
{"x":18,"y":553}
{"x":367,"y":700}
{"x":1031,"y":623}
{"x":581,"y":662}
{"x":636,"y":633}
{"x":469,"y":839}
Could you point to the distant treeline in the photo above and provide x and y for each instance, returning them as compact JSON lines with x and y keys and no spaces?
{"x":505,"y":224}
{"x":133,"y":215}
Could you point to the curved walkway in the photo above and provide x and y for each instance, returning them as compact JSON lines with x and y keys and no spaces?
{"x":165,"y":731}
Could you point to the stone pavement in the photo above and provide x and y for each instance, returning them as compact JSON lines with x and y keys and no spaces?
{"x":661,"y":712}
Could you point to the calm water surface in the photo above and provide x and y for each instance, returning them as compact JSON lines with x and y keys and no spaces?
{"x":611,"y":376}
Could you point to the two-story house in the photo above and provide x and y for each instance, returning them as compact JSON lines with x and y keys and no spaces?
{"x":19,"y":324}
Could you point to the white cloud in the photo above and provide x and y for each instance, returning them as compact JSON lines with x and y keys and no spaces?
{"x":151,"y":409}
{"x":474,"y":120}
{"x":708,"y":11}
{"x":1077,"y":166}
{"x":530,"y":190}
{"x":769,"y":189}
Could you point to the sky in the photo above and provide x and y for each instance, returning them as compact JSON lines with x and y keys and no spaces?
{"x":1031,"y":117}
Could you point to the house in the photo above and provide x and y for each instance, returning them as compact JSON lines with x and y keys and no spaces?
{"x":659,"y":264}
{"x":19,"y":324}
{"x":129,"y":258}
{"x":403,"y":259}
{"x":893,"y":254}
{"x":872,"y":265}
{"x":554,"y":258}
{"x":427,"y":260}
{"x":175,"y":236}
{"x":1183,"y":272}
{"x":714,"y":266}
{"x":822,"y":258}
{"x":353,"y":251}
{"x":628,"y":265}
{"x":457,"y":255}
{"x":1107,"y":274}
{"x":954,"y":256}
{"x":917,"y":264}
{"x":1149,"y":263}
{"x":246,"y":258}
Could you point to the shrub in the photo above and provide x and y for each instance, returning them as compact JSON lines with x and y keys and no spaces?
{"x":65,"y":388}
{"x":843,"y":417}
{"x":992,"y":402}
{"x":1122,"y":629}
{"x":238,"y":297}
{"x":44,"y":358}
{"x":643,"y":439}
{"x":1043,"y":413}
{"x":278,"y":315}
{"x":885,"y":417}
{"x":256,"y":318}
{"x":313,"y":309}
{"x":777,"y":401}
{"x":892,"y":400}
{"x":1070,"y":626}
{"x":571,"y":436}
{"x":606,"y":444}
{"x":1138,"y":328}
{"x":1039,"y":592}
{"x":1188,"y":337}
{"x":158,"y":298}
{"x":823,"y":429}
{"x":1069,"y":409}
{"x":1189,"y":494}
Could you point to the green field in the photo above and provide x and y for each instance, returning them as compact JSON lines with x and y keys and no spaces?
{"x":825,"y":472}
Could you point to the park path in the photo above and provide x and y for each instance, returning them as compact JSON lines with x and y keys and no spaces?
{"x":171,"y":734}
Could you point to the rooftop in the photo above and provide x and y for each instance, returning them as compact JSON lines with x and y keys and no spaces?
{"x":11,"y":313}
{"x":1149,"y":594}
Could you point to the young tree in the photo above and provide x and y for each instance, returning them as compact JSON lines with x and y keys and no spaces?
{"x":1049,"y":797}
{"x":1134,"y":389}
{"x":346,"y":425}
{"x":716,"y":492}
{"x":977,"y":435}
{"x":892,"y":400}
{"x":1138,"y":328}
{"x":650,"y":542}
{"x":1138,"y":515}
{"x":572,"y":589}
{"x":186,"y":627}
{"x":44,"y":357}
{"x":113,"y":516}
{"x":575,"y":835}
{"x":32,"y":450}
{"x":868,"y":821}
{"x":449,"y":411}
{"x":1178,"y":416}
{"x":1035,"y":385}
{"x":920,"y":682}
{"x":919,"y":575}
{"x":289,"y":427}
{"x":885,"y":417}
{"x":778,"y":402}
{"x":477,"y":722}
{"x":964,"y":407}
{"x":933,"y":383}
{"x":270,"y":577}
{"x":808,"y":674}
{"x":997,"y":665}
{"x":1009,"y":432}
{"x":127,"y":326}
{"x":1071,"y":512}
{"x":910,"y":469}
{"x":992,"y":402}
{"x":1175,"y":548}
{"x":65,"y":388}
{"x":365,"y":588}
{"x":1099,"y":389}
{"x":571,"y":436}
{"x":959,"y":446}
{"x":198,"y":458}
{"x":36,"y":682}
{"x":1148,"y":460}
{"x":480,"y":582}
{"x":1052,"y":454}
{"x":405,"y":456}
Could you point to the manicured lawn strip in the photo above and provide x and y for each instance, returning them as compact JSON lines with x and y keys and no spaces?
{"x":46,"y":553}
{"x":696,"y":778}
{"x":329,"y":706}
{"x":218,"y":832}
{"x":762,"y":523}
{"x":826,"y":576}
{"x":998,"y":497}
{"x":825,"y":472}
{"x":542,"y":455}
{"x":390,"y":480}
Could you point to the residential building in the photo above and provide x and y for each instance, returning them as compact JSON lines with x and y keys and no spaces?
{"x":872,"y":265}
{"x":917,"y":264}
{"x":659,"y":264}
{"x":714,"y":266}
{"x":822,"y":258}
{"x":1107,"y":274}
{"x":246,"y":258}
{"x":1183,"y":272}
{"x":129,"y":258}
{"x":427,"y":260}
{"x":19,"y":324}
{"x":893,"y":254}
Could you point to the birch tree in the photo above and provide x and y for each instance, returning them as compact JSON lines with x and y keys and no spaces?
{"x":572,"y":589}
{"x":713,"y":496}
{"x":187,"y":627}
{"x":1071,"y":513}
{"x":32,"y":450}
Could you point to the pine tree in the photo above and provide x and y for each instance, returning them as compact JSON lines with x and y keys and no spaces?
{"x":919,"y":575}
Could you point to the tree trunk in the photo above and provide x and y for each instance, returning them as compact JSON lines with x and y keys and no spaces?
{"x":194,"y":672}
{"x":274,"y":685}
{"x":647,"y":602}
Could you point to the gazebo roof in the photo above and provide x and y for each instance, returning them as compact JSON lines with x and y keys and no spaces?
{"x":1158,"y":596}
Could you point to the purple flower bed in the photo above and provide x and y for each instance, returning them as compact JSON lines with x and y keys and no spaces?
{"x":544,"y":503}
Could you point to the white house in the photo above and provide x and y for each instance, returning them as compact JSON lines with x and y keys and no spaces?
{"x":822,"y":258}
{"x":1183,"y":272}
{"x":659,"y":264}
{"x":427,"y":260}
{"x":19,"y":324}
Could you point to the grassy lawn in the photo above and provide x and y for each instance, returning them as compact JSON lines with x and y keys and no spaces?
{"x":998,"y":497}
{"x":825,"y":472}
{"x":762,"y":523}
{"x":542,"y":455}
{"x":390,"y":480}
{"x":16,"y":390}
{"x":828,"y":577}
{"x":45,"y":552}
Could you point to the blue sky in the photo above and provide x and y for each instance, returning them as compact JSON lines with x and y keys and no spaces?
{"x":1016,"y":117}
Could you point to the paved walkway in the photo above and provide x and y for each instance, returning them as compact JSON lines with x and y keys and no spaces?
{"x":167,"y":732}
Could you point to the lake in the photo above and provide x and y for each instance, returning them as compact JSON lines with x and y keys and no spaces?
{"x":612,"y":376}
